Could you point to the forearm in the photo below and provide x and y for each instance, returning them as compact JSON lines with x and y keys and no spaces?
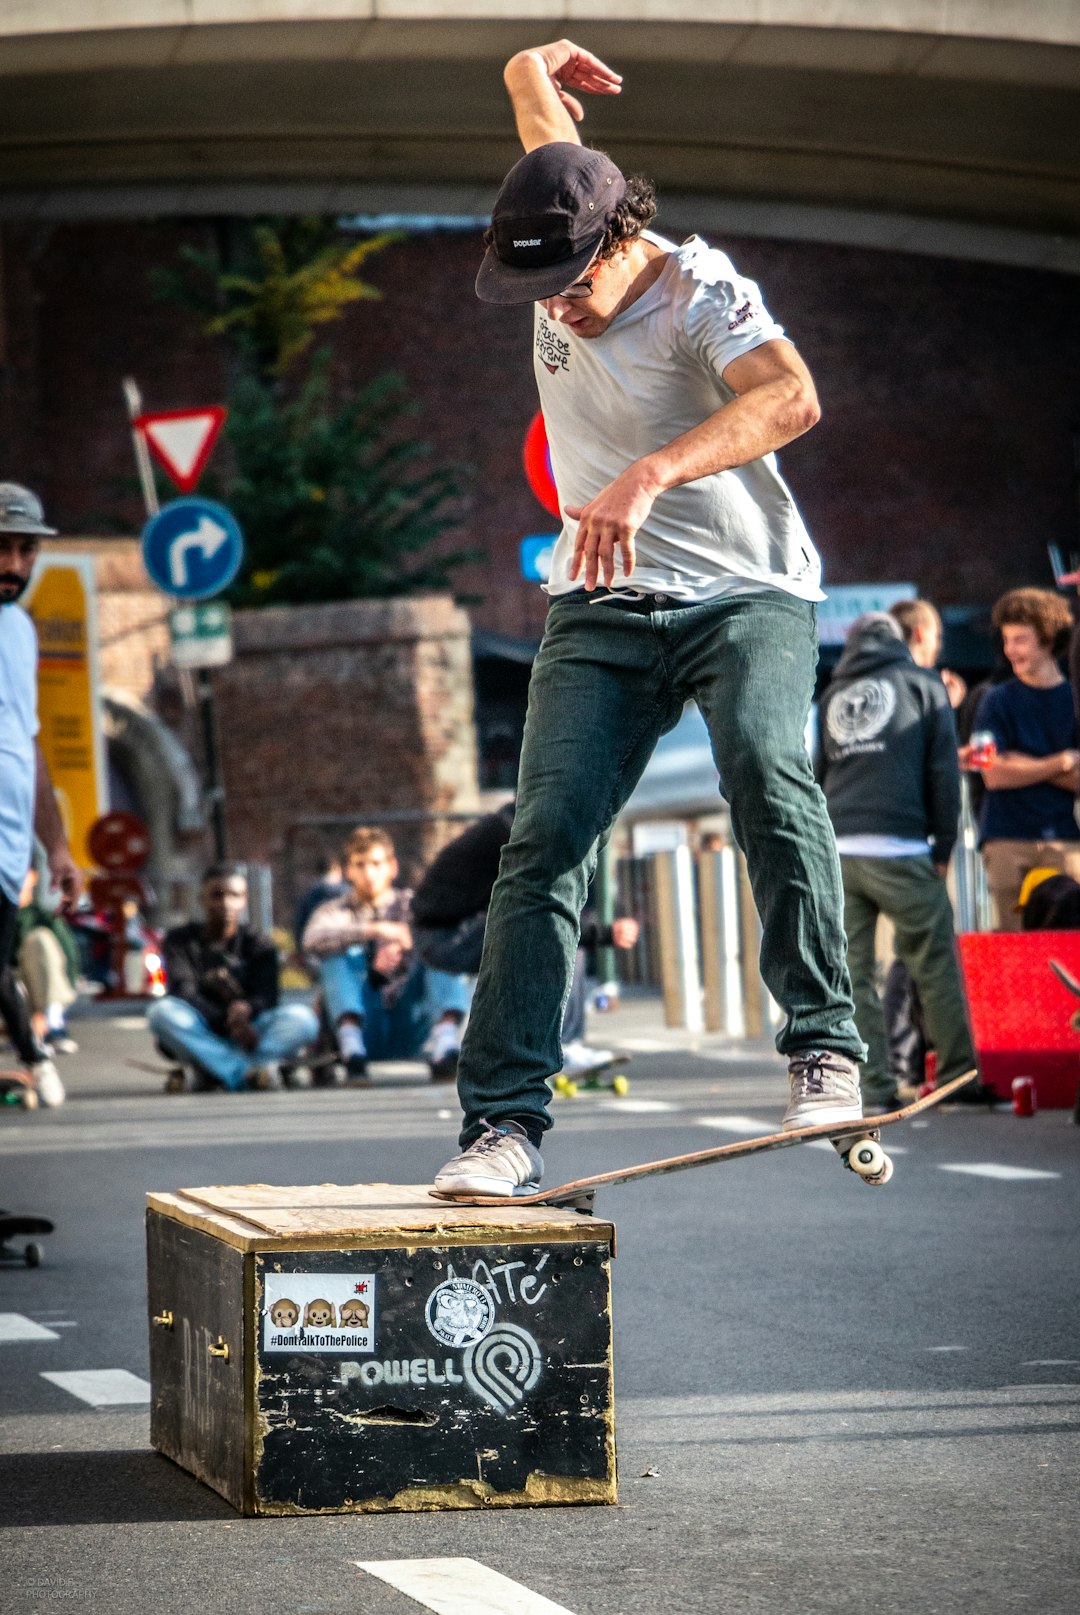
{"x":538,"y":112}
{"x":48,"y":826}
{"x":326,"y":937}
{"x":752,"y":425}
{"x":1013,"y":770}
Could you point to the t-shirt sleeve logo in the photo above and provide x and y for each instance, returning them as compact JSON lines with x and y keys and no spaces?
{"x":745,"y":313}
{"x":552,"y":349}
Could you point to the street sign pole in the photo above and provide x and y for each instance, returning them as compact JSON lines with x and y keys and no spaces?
{"x":215,"y":785}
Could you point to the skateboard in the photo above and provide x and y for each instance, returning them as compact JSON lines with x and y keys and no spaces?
{"x":857,"y":1143}
{"x":10,"y":1226}
{"x":16,"y":1088}
{"x":602,"y":1078}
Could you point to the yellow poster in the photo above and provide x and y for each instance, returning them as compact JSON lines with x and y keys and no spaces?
{"x":62,"y":601}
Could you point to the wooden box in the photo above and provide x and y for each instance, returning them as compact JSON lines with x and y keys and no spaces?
{"x":364,"y":1348}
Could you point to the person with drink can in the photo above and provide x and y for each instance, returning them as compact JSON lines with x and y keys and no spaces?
{"x":1024,"y":746}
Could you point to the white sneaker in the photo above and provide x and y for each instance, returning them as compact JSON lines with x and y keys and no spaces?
{"x":578,"y":1058}
{"x":442,"y":1049}
{"x":46,"y":1080}
{"x":824,"y":1088}
{"x":500,"y":1162}
{"x":265,"y":1077}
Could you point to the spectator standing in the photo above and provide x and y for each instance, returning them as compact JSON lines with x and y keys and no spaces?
{"x":1026,"y":820}
{"x":382,"y":1001}
{"x":27,"y":802}
{"x":892,"y":785}
{"x":221,"y":1019}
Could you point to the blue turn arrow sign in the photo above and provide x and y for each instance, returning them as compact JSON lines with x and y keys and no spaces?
{"x":193,"y":548}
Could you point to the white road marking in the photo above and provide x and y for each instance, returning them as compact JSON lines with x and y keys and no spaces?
{"x":993,"y":1169}
{"x":13,"y":1326}
{"x":1051,"y":1362}
{"x":102,"y":1387}
{"x":945,"y":1348}
{"x":639,"y":1107}
{"x":459,"y":1587}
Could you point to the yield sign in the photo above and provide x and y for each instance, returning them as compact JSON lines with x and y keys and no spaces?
{"x":182,"y":440}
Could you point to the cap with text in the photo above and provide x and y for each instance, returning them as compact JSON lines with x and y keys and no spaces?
{"x":550,"y":216}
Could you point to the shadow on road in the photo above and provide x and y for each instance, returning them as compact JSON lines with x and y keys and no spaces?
{"x":101,"y":1488}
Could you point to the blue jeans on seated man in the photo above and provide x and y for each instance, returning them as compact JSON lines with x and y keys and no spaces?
{"x":184,"y":1034}
{"x":397,"y":1032}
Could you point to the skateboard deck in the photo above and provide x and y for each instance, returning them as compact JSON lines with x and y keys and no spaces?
{"x":856,"y":1142}
{"x":17,"y":1088}
{"x":609,"y":1078}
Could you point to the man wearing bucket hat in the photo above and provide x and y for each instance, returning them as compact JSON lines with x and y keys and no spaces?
{"x":683,"y":571}
{"x":27,"y":803}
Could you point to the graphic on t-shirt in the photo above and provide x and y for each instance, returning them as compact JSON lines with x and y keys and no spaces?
{"x":860,"y":712}
{"x":553,"y":349}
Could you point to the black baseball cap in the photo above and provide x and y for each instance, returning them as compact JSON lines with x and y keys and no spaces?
{"x":549,"y":218}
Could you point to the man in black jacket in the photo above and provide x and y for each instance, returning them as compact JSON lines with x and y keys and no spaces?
{"x":892,"y":785}
{"x":222,"y":1020}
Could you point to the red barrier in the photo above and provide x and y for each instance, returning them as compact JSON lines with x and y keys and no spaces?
{"x":1021,"y":1013}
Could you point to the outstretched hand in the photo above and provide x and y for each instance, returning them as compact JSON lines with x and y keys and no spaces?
{"x":571,"y":68}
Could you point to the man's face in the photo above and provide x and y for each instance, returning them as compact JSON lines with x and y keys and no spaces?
{"x":1024,"y":650}
{"x":224,"y":900}
{"x":371,"y":873}
{"x":18,"y":552}
{"x":590,"y":316}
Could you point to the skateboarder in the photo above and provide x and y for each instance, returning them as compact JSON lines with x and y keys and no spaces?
{"x":683,"y":571}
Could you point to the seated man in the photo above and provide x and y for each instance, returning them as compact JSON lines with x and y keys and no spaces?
{"x":381,"y":1000}
{"x":222,"y":1015}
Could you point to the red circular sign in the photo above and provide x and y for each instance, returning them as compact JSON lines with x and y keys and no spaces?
{"x":537,"y":457}
{"x":119,"y":841}
{"x":113,"y":891}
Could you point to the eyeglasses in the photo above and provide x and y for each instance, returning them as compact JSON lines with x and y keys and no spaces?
{"x":584,"y":287}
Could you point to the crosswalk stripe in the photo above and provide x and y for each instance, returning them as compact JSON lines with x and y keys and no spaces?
{"x":459,"y":1587}
{"x":994,"y":1169}
{"x":102,"y":1387}
{"x":13,"y":1326}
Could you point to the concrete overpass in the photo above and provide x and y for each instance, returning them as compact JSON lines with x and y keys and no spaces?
{"x":937,"y":125}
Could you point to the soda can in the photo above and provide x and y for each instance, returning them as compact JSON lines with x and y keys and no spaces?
{"x":1023,"y":1096}
{"x":983,"y":749}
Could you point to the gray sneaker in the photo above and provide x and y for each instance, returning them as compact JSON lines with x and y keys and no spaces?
{"x":500,"y":1162}
{"x":824,"y":1088}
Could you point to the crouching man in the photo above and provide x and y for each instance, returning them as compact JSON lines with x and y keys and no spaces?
{"x":222,"y":1020}
{"x":381,"y":1000}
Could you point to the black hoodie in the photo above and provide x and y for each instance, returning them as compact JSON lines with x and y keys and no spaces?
{"x":889,"y":745}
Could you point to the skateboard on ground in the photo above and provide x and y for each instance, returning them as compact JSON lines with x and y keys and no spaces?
{"x":602,"y":1078}
{"x":857,"y":1143}
{"x":11,"y":1226}
{"x":17,"y":1088}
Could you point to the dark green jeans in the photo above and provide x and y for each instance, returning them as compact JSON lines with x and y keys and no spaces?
{"x":609,"y":679}
{"x":913,"y":896}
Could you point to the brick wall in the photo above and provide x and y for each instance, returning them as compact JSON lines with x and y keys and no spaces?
{"x":944,"y":454}
{"x":354,"y":709}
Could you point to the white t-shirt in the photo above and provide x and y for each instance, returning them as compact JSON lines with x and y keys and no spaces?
{"x":656,"y":372}
{"x":875,"y":846}
{"x":18,"y":727}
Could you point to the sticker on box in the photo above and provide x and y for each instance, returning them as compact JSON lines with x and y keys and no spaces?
{"x":319,"y":1312}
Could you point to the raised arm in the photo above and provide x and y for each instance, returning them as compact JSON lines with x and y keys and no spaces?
{"x":539,"y":82}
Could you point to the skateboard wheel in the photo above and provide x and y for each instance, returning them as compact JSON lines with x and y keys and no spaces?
{"x":29,"y":1100}
{"x":620,"y":1084}
{"x":560,"y":1085}
{"x":569,"y":1089}
{"x":867,"y":1158}
{"x":33,"y":1254}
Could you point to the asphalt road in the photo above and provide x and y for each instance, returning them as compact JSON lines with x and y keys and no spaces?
{"x":827,"y":1396}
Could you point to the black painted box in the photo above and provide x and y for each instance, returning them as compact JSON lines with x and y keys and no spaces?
{"x":363,"y":1348}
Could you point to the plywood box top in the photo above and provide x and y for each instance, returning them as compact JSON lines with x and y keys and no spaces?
{"x":262,"y":1216}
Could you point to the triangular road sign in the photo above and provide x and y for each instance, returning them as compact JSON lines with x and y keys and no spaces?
{"x":182,"y":440}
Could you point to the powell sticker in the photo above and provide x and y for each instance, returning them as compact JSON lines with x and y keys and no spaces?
{"x":319,"y":1312}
